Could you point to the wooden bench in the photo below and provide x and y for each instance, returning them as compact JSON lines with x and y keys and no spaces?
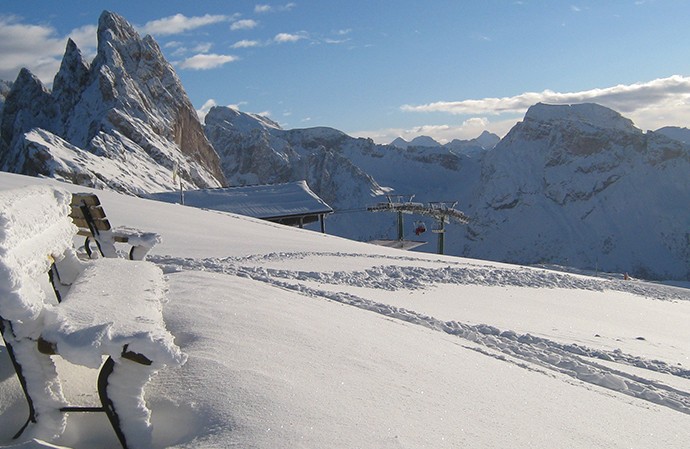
{"x":88,"y":215}
{"x":53,"y":303}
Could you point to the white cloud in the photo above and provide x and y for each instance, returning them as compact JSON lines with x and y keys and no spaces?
{"x":180,"y":23}
{"x":246,"y":44}
{"x":205,"y":108}
{"x":203,"y":47}
{"x":86,"y":38}
{"x":282,"y":38}
{"x":336,"y":41}
{"x":206,"y":61}
{"x":622,"y":98}
{"x":38,"y":48}
{"x":237,"y":106}
{"x":210,"y":103}
{"x":263,"y":8}
{"x":650,"y":105}
{"x":245,"y":24}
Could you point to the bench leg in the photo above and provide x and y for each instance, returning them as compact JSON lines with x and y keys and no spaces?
{"x":36,"y":372}
{"x":22,"y":380}
{"x":121,"y":389}
{"x":138,"y":252}
{"x":105,"y":248}
{"x":108,"y":406}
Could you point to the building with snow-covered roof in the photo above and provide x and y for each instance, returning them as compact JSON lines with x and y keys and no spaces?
{"x":291,"y":203}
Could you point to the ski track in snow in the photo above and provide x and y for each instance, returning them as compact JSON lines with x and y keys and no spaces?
{"x":576,"y":361}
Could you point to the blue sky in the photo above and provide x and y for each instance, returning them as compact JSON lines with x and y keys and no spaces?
{"x":382,"y":69}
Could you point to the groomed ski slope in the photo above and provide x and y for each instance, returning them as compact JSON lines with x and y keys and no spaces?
{"x":300,"y":340}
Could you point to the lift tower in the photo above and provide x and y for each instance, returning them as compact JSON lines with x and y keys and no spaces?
{"x":443,"y":212}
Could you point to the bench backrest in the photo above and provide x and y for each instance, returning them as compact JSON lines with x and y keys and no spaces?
{"x":88,"y":214}
{"x":35,"y":230}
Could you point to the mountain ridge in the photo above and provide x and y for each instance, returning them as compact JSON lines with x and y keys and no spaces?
{"x":575,"y":185}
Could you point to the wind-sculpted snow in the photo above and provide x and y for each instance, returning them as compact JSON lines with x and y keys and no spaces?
{"x":395,"y":273}
{"x":391,"y":273}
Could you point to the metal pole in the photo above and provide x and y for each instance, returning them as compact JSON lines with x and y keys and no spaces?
{"x":441,"y":235}
{"x":400,"y":226}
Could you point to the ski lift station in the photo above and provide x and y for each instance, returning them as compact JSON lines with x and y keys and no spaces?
{"x":442,"y":212}
{"x":291,"y":203}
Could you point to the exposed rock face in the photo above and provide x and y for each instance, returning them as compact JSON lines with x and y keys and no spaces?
{"x":127,"y":107}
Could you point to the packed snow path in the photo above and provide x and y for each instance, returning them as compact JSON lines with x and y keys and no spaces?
{"x":605,"y":368}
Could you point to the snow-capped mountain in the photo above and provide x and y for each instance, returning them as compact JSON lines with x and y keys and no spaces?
{"x":575,"y":185}
{"x":485,"y":141}
{"x":255,"y":150}
{"x":572,"y":185}
{"x":123,"y":121}
{"x":419,"y":141}
{"x":581,"y":186}
{"x":473,"y":147}
{"x":348,"y":173}
{"x":676,"y":133}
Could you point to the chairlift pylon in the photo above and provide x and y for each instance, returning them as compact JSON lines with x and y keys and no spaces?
{"x":443,"y":212}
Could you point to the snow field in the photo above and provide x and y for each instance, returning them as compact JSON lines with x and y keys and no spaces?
{"x":301,"y":340}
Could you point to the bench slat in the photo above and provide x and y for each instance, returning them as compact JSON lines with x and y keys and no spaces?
{"x":95,"y":211}
{"x":89,"y":199}
{"x":101,"y":225}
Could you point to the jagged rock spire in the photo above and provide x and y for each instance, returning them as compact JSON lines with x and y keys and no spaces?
{"x":28,"y":105}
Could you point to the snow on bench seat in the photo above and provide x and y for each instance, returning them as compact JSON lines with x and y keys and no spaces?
{"x":33,"y":226}
{"x":110,"y":307}
{"x":113,"y":306}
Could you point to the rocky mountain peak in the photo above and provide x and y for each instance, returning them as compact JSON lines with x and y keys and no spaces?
{"x":234,"y":120}
{"x":69,"y":81}
{"x":114,"y":29}
{"x":591,"y":114}
{"x":28,"y":104}
{"x":127,"y":104}
{"x":487,"y":140}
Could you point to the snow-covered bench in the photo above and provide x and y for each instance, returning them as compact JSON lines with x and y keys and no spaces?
{"x":53,"y":303}
{"x":89,"y":216}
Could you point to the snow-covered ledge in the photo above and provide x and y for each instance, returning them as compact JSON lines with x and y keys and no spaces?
{"x":110,"y":307}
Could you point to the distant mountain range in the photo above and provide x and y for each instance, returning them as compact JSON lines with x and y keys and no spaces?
{"x":485,"y":141}
{"x":575,"y":185}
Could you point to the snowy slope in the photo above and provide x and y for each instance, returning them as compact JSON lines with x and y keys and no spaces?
{"x":297,"y":339}
{"x":676,"y":133}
